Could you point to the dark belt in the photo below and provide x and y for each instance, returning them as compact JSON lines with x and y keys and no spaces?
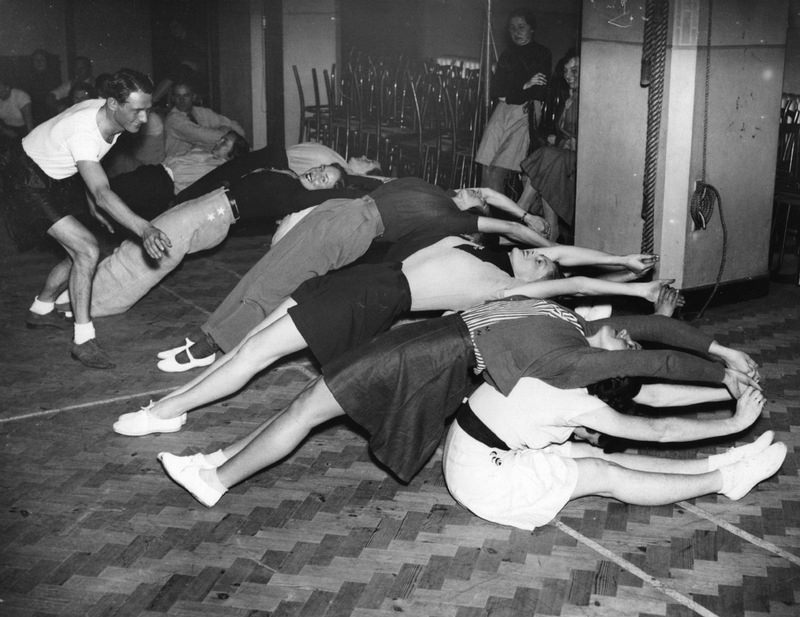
{"x":473,"y":426}
{"x":232,"y":202}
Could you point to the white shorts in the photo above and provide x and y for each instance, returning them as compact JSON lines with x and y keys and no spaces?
{"x":522,"y":488}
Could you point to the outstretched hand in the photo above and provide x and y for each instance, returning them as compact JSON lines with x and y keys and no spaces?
{"x":736,"y":359}
{"x":537,"y":224}
{"x":155,"y":241}
{"x":668,"y":300}
{"x":737,"y":382}
{"x":640,"y":264}
{"x":748,"y":408}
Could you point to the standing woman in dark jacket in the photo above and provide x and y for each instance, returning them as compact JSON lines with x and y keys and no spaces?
{"x":520,"y":80}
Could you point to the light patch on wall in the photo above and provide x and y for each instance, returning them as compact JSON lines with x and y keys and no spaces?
{"x":768,"y":74}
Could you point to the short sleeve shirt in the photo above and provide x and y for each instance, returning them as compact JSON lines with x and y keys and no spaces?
{"x":534,"y":414}
{"x":58,"y":144}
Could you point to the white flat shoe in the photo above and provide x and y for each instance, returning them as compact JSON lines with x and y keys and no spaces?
{"x":744,"y":475}
{"x":188,"y":476}
{"x":171,"y":364}
{"x":142,"y":422}
{"x":171,"y":353}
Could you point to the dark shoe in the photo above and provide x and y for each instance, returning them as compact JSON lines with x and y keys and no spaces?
{"x":90,"y":354}
{"x":53,"y":319}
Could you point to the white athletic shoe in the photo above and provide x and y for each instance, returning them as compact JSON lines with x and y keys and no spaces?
{"x":188,"y":476}
{"x":740,"y":478}
{"x":142,"y":422}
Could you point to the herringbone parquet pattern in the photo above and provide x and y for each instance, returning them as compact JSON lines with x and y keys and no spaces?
{"x":91,"y":526}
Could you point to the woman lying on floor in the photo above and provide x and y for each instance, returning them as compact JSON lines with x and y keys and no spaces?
{"x":402,"y":385}
{"x":339,"y":311}
{"x":507,"y":459}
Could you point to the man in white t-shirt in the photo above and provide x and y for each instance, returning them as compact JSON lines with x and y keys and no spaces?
{"x":53,"y":157}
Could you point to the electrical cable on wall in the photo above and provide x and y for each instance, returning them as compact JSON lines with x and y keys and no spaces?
{"x":705,"y":196}
{"x":654,"y":52}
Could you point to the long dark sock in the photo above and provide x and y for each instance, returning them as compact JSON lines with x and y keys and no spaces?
{"x":203,"y":346}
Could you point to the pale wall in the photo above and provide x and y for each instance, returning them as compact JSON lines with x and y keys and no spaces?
{"x":746,"y":67}
{"x":310,"y":41}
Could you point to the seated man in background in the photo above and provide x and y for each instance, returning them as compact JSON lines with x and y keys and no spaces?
{"x":150,"y":189}
{"x":16,"y":118}
{"x":189,"y":125}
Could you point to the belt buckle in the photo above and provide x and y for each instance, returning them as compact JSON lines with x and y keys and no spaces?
{"x":232,"y":202}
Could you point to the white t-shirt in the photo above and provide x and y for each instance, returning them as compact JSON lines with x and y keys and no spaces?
{"x":59,"y":143}
{"x":534,"y":415}
{"x":11,"y":108}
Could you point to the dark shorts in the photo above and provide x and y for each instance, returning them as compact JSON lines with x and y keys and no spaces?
{"x":344,"y":309}
{"x":32,"y":201}
{"x":403,"y":385}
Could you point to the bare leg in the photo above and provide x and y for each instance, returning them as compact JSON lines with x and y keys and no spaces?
{"x":57,"y":281}
{"x":527,"y":201}
{"x":599,"y":477}
{"x":552,"y":218}
{"x":235,"y":369}
{"x":641,"y":462}
{"x":494,"y":178}
{"x":279,"y":437}
{"x":82,"y":248}
{"x":275,"y":315}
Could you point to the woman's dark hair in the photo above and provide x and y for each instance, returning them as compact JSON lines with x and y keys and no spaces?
{"x":617,"y":392}
{"x":344,"y":178}
{"x":240,"y":146}
{"x":556,"y":274}
{"x":126,"y":81}
{"x":526,"y":14}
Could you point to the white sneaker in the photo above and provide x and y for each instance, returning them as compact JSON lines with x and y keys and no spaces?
{"x":740,"y":478}
{"x":188,"y":476}
{"x":738,"y":453}
{"x":171,"y":353}
{"x":142,"y":422}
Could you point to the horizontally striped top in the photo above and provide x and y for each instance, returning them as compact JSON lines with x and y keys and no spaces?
{"x":484,"y":315}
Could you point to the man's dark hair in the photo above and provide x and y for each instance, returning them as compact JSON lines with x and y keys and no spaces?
{"x":126,"y":81}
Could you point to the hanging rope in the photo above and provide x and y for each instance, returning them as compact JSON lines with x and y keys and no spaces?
{"x":654,"y":55}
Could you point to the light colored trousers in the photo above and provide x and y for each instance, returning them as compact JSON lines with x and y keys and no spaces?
{"x":126,"y":275}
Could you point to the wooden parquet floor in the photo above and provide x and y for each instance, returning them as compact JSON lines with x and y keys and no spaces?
{"x":91,"y":526}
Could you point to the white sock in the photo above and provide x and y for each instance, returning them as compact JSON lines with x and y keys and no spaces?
{"x":738,"y":453}
{"x":209,"y":476}
{"x":83,"y":332}
{"x":42,"y":308}
{"x":216,"y":458}
{"x":63,"y":297}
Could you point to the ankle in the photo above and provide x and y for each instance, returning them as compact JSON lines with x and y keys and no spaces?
{"x":210,"y":477}
{"x":41,"y":307}
{"x":83,"y":332}
{"x":216,"y":458}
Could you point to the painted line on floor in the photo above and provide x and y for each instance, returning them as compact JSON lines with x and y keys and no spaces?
{"x":744,"y":535}
{"x":107,"y":401}
{"x":185,"y":300}
{"x":222,"y":267}
{"x":636,"y":571}
{"x":125,"y":397}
